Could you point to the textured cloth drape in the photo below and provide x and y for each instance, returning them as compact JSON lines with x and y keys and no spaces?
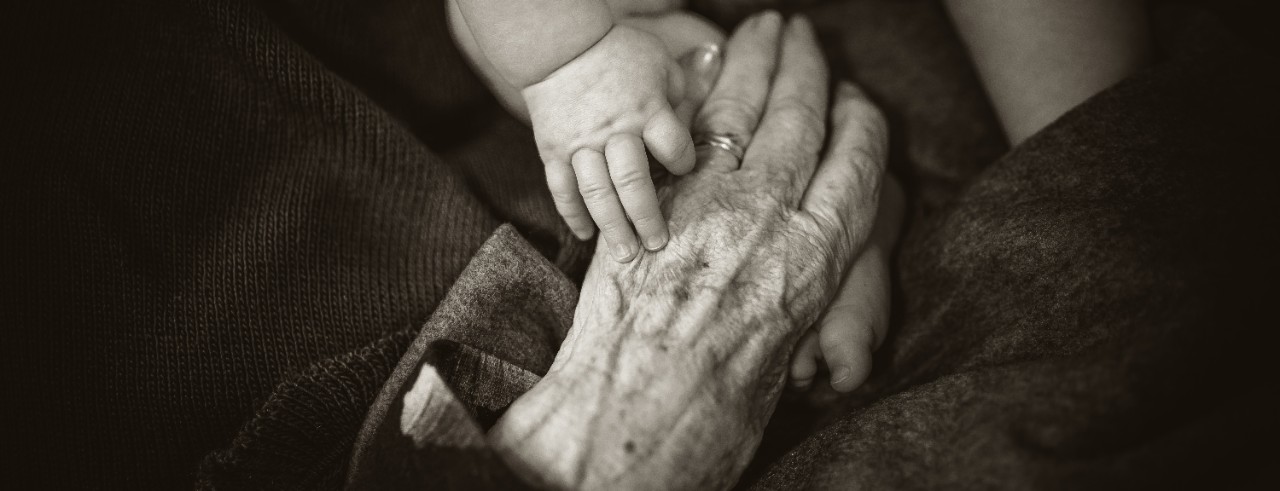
{"x":228,"y":222}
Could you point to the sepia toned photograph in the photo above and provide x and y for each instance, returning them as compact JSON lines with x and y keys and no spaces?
{"x":640,"y":244}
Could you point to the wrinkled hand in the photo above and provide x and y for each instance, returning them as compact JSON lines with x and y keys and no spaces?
{"x":675,"y":361}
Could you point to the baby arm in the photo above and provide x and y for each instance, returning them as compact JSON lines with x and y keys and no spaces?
{"x":1037,"y":60}
{"x":1040,"y":58}
{"x":527,"y":40}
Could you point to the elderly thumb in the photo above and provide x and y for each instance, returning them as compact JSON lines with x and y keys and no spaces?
{"x":699,"y":69}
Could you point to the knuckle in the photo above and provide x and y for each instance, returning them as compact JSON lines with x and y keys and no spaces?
{"x":632,"y":180}
{"x":564,"y":195}
{"x":550,"y":150}
{"x":810,"y":138}
{"x":647,"y":218}
{"x":595,"y":191}
{"x":869,"y":120}
{"x":862,"y":158}
{"x":795,"y":111}
{"x":577,"y":219}
{"x":682,"y":147}
{"x":614,"y":226}
{"x":779,"y":177}
{"x":575,"y":216}
{"x":730,"y":112}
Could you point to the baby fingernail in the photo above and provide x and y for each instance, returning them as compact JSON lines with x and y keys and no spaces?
{"x":656,"y":242}
{"x":840,"y":374}
{"x":623,"y":251}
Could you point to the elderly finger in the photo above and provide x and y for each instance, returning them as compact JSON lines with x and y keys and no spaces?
{"x":629,"y":170}
{"x":701,"y":68}
{"x":564,"y":192}
{"x":602,"y":202}
{"x":794,"y":125}
{"x":733,"y":107}
{"x":845,"y":190}
{"x":669,"y":142}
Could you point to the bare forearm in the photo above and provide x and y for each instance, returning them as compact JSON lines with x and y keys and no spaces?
{"x":1040,"y":58}
{"x":526,"y":40}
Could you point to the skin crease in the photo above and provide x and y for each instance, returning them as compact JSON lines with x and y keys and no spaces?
{"x":593,"y":119}
{"x":629,"y":72}
{"x":680,"y":32}
{"x":599,"y":109}
{"x":857,"y":320}
{"x":675,"y":361}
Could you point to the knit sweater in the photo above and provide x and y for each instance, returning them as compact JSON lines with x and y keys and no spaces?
{"x":229,"y":221}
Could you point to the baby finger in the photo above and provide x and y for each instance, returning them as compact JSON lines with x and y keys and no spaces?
{"x":603,"y":205}
{"x":564,"y":192}
{"x":629,"y":170}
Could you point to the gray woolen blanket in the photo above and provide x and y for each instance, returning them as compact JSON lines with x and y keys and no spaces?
{"x":238,"y":232}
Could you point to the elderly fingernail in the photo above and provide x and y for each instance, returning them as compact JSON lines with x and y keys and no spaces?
{"x":704,"y":64}
{"x":703,"y":56}
{"x":767,"y":20}
{"x":800,"y":23}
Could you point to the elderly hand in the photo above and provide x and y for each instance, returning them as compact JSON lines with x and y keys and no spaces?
{"x":675,"y":360}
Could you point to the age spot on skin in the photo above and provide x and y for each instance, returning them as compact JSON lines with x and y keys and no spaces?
{"x":630,"y":446}
{"x":682,"y":294}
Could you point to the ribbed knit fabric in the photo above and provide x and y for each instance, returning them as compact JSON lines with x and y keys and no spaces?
{"x":302,"y":435}
{"x":490,"y":341}
{"x":197,"y":209}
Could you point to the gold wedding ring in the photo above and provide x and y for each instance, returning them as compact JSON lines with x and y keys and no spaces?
{"x":722,"y":141}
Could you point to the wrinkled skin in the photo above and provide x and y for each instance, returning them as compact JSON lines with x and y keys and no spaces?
{"x":675,"y":361}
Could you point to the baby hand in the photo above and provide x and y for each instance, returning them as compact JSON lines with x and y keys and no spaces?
{"x":857,"y":320}
{"x":593,"y":118}
{"x":850,"y":330}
